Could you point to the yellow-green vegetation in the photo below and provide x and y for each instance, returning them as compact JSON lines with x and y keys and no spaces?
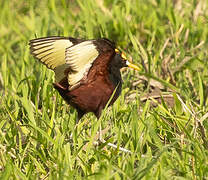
{"x":167,"y":136}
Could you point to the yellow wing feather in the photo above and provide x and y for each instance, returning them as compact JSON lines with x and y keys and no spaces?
{"x":59,"y":54}
{"x":50,"y":51}
{"x":80,"y":58}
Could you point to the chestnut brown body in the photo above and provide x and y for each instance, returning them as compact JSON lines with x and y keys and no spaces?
{"x":95,"y":90}
{"x":87,"y":72}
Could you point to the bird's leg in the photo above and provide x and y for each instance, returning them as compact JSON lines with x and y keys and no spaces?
{"x":79,"y":116}
{"x":98,"y":114}
{"x":100,"y":133}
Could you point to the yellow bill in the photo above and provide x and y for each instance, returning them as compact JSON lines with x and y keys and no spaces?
{"x":132,"y":66}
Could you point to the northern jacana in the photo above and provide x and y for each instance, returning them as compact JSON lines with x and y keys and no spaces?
{"x":86,"y":71}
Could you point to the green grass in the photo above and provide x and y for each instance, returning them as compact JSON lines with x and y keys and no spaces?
{"x":170,"y":39}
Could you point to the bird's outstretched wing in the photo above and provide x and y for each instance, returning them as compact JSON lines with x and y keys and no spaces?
{"x":50,"y":50}
{"x":68,"y":57}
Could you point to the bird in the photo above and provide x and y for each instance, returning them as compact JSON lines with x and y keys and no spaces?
{"x":87,"y":72}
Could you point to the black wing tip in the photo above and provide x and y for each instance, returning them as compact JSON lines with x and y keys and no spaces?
{"x":42,"y":40}
{"x":46,"y":38}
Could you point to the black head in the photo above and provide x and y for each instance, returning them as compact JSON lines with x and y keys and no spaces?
{"x":119,"y":61}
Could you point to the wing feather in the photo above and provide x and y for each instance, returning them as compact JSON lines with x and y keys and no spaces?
{"x":69,"y":57}
{"x":80,"y":58}
{"x":50,"y":50}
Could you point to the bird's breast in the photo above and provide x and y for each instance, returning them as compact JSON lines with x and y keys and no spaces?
{"x":90,"y":96}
